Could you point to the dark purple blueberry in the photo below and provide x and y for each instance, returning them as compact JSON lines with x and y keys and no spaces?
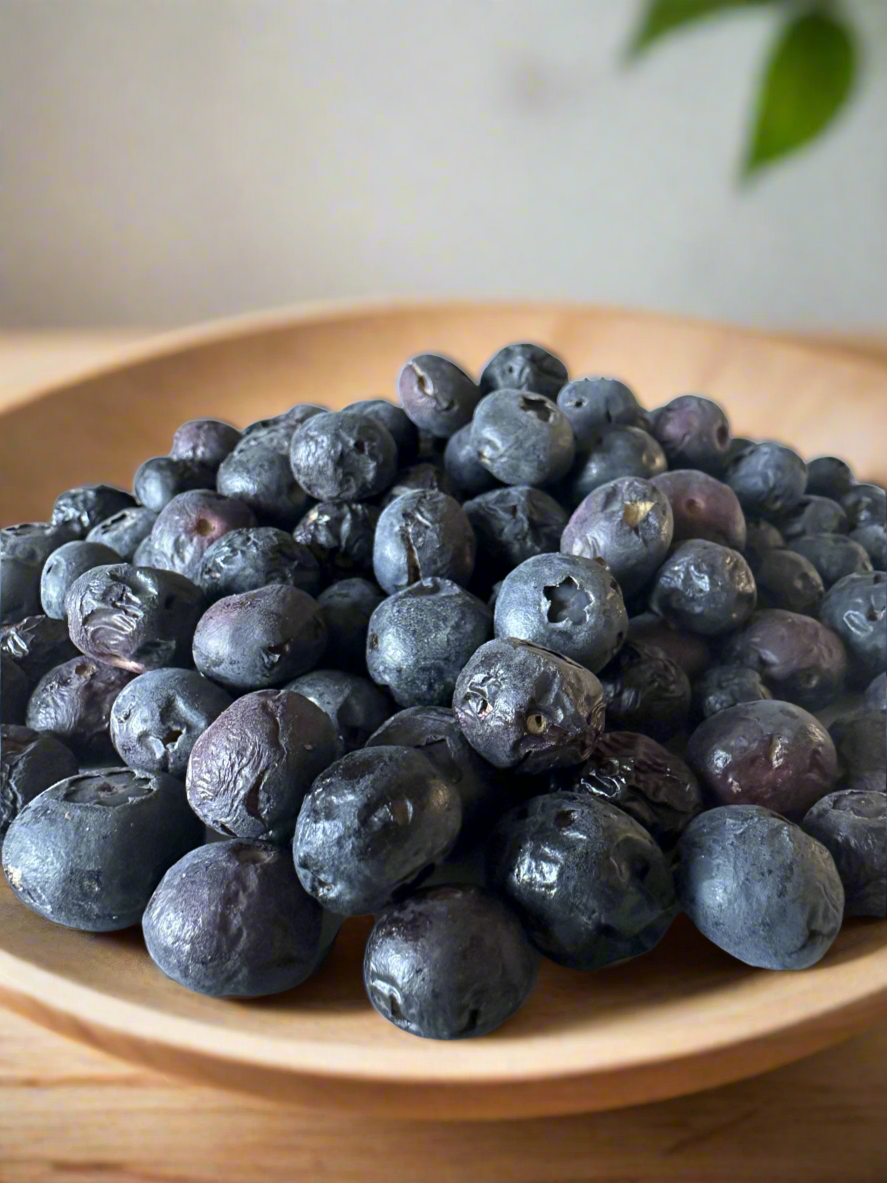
{"x":340,"y":536}
{"x":704,"y":588}
{"x":463,"y":466}
{"x":395,"y":420}
{"x":689,"y":651}
{"x":644,"y":690}
{"x":593,"y":403}
{"x":768,"y":478}
{"x":873,"y":539}
{"x":694,"y":433}
{"x":33,"y":542}
{"x":187,"y":528}
{"x":19,"y":589}
{"x":833,"y":556}
{"x":787,"y":579}
{"x":346,"y":608}
{"x":859,"y":740}
{"x":851,"y":826}
{"x":245,"y":560}
{"x":436,"y":394}
{"x":74,"y":702}
{"x":797,"y":657}
{"x":258,"y":473}
{"x":355,"y":706}
{"x":523,"y":438}
{"x":161,"y":478}
{"x":876,"y":692}
{"x":703,"y":508}
{"x":827,"y":476}
{"x":422,"y":477}
{"x":15,"y":689}
{"x":856,"y":608}
{"x":343,"y":456}
{"x":726,"y":686}
{"x":761,"y":536}
{"x":421,"y":535}
{"x":64,"y":567}
{"x":812,"y":515}
{"x":511,"y":525}
{"x":865,"y":504}
{"x":84,"y":507}
{"x":29,"y":763}
{"x":124,"y":531}
{"x":204,"y":441}
{"x":614,"y":452}
{"x":524,"y":366}
{"x":36,"y":644}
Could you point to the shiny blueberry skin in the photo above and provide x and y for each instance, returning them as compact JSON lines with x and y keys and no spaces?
{"x":646,"y":691}
{"x":724,"y":686}
{"x":340,"y":536}
{"x":74,"y":702}
{"x":768,"y":478}
{"x":64,"y":567}
{"x":450,"y":962}
{"x":705,"y":588}
{"x":526,"y":708}
{"x":850,"y":825}
{"x":161,"y":478}
{"x":373,"y":824}
{"x":694,"y":433}
{"x":159,"y":716}
{"x":232,"y":920}
{"x":759,"y":888}
{"x":464,"y":467}
{"x":589,"y":883}
{"x":88,"y":852}
{"x":594,"y":403}
{"x":436,"y":394}
{"x":797,"y":657}
{"x":569,"y":604}
{"x":523,"y":438}
{"x":524,"y":366}
{"x":204,"y":441}
{"x":876,"y":692}
{"x":245,"y":560}
{"x":703,"y":507}
{"x":421,"y":535}
{"x":873,"y":539}
{"x":187,"y":528}
{"x":343,"y":456}
{"x":689,"y":651}
{"x":865,"y":504}
{"x":36,"y":644}
{"x":789,"y":580}
{"x":767,"y":753}
{"x":629,"y":524}
{"x":612,"y":452}
{"x":258,"y":473}
{"x":15,"y":690}
{"x":859,"y":740}
{"x":511,"y":525}
{"x":82,"y":508}
{"x":833,"y":556}
{"x":827,"y":476}
{"x":260,"y":639}
{"x":251,"y":768}
{"x":19,"y":589}
{"x":346,"y":608}
{"x":355,"y":706}
{"x":761,"y":536}
{"x":34,"y":542}
{"x":30,"y":761}
{"x":396,"y":421}
{"x":124,"y":531}
{"x":424,"y":476}
{"x":812,"y":515}
{"x":420,"y":639}
{"x":856,"y":608}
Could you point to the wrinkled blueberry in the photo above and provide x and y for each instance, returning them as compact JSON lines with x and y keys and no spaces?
{"x":593,"y":403}
{"x":15,"y":690}
{"x":797,"y":657}
{"x":703,"y":508}
{"x":33,"y":542}
{"x":19,"y":589}
{"x":396,"y":421}
{"x":245,"y":560}
{"x":851,"y":826}
{"x":856,"y":608}
{"x":724,"y":686}
{"x":29,"y":763}
{"x":346,"y":608}
{"x":428,"y":477}
{"x":787,"y":579}
{"x":74,"y":702}
{"x":768,"y":478}
{"x":833,"y":556}
{"x":873,"y":539}
{"x":827,"y":476}
{"x":511,"y":525}
{"x":36,"y":644}
{"x":614,"y":452}
{"x":343,"y":456}
{"x":694,"y":433}
{"x":705,"y":588}
{"x":865,"y":504}
{"x":524,"y":366}
{"x":187,"y":528}
{"x":645,"y":690}
{"x":258,"y":473}
{"x":204,"y":441}
{"x":812,"y":515}
{"x":354,"y":705}
{"x":124,"y":531}
{"x":84,"y":507}
{"x":161,"y":478}
{"x":421,"y":535}
{"x":688,"y":651}
{"x":340,"y":536}
{"x":286,"y":422}
{"x":436,"y":394}
{"x":859,"y":740}
{"x":64,"y":567}
{"x":522,"y":438}
{"x":463,"y":465}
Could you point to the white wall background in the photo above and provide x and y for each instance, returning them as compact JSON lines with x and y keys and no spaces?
{"x":167,"y":160}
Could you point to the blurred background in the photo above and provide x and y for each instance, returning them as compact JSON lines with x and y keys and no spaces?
{"x":171,"y":160}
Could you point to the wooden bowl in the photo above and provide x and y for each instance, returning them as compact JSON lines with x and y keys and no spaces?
{"x":687,"y":1016}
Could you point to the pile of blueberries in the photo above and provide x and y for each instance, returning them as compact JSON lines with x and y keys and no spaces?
{"x":516,"y":666}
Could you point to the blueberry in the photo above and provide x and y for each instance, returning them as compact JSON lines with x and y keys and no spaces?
{"x":703,"y":508}
{"x":340,"y":536}
{"x":694,"y":433}
{"x":512,"y":525}
{"x":396,"y":421}
{"x":343,"y":456}
{"x":643,"y":779}
{"x":204,"y":441}
{"x":159,"y":716}
{"x":705,"y":588}
{"x":769,"y":479}
{"x":354,"y":705}
{"x":688,"y":651}
{"x":286,"y":422}
{"x":78,"y":510}
{"x":724,"y":686}
{"x":463,"y":465}
{"x":760,"y":537}
{"x":421,"y":535}
{"x":19,"y":589}
{"x":797,"y":657}
{"x":74,"y":702}
{"x":850,"y":825}
{"x":29,"y":763}
{"x":15,"y":690}
{"x":245,"y":560}
{"x":346,"y":608}
{"x":569,"y":604}
{"x":629,"y":524}
{"x":436,"y":394}
{"x":420,"y":639}
{"x":232,"y":919}
{"x":251,"y":768}
{"x":833,"y":556}
{"x":451,"y":962}
{"x":371,"y":825}
{"x":767,"y":753}
{"x":523,"y":707}
{"x":260,"y":638}
{"x":594,"y":403}
{"x":859,"y":740}
{"x":258,"y":473}
{"x":876,"y":692}
{"x":646,"y":691}
{"x":89,"y":851}
{"x":589,"y":883}
{"x":524,"y":366}
{"x":759,"y":888}
{"x":124,"y":531}
{"x":865,"y":504}
{"x":189,"y":525}
{"x":812,"y":515}
{"x":138,"y":618}
{"x":855,"y":608}
{"x":827,"y":476}
{"x":36,"y":644}
{"x":33,"y":542}
{"x":523,"y":438}
{"x":64,"y":567}
{"x":787,"y":579}
{"x":161,"y":478}
{"x":614,"y":452}
{"x":873,"y":539}
{"x":420,"y":477}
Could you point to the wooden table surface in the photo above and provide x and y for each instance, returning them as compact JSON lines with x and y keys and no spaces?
{"x":71,"y":1115}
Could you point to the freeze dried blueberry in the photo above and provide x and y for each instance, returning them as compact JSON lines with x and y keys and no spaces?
{"x":343,"y":456}
{"x":873,"y":539}
{"x":286,"y":422}
{"x":644,"y":690}
{"x":566,"y":603}
{"x":187,"y":528}
{"x":395,"y":420}
{"x":372,"y":825}
{"x":643,"y":779}
{"x":797,"y":657}
{"x":768,"y":478}
{"x":833,"y":556}
{"x":688,"y":651}
{"x":204,"y":441}
{"x":124,"y":531}
{"x":159,"y":716}
{"x":245,"y":560}
{"x":523,"y":707}
{"x":788,"y":579}
{"x":522,"y":438}
{"x":436,"y":394}
{"x":593,"y":403}
{"x":726,"y":686}
{"x":353,"y":704}
{"x":463,"y":465}
{"x":428,"y":477}
{"x":346,"y":608}
{"x":84,"y":507}
{"x":694,"y":432}
{"x":161,"y":478}
{"x":827,"y":476}
{"x":29,"y":763}
{"x":231,"y":919}
{"x":865,"y":504}
{"x":33,"y":542}
{"x":251,"y":768}
{"x":524,"y":366}
{"x":89,"y":851}
{"x":15,"y":690}
{"x":340,"y":536}
{"x":74,"y":702}
{"x":859,"y":740}
{"x":767,"y":753}
{"x":760,"y":537}
{"x":511,"y":525}
{"x":19,"y":589}
{"x":703,"y":508}
{"x":420,"y":638}
{"x":629,"y":524}
{"x":260,"y":638}
{"x":258,"y":473}
{"x":759,"y":888}
{"x":876,"y":692}
{"x":614,"y":452}
{"x":856,"y":608}
{"x":138,"y":618}
{"x":64,"y":567}
{"x":812,"y":515}
{"x":421,"y":535}
{"x":451,"y":962}
{"x":36,"y":644}
{"x":851,"y":826}
{"x":705,"y":588}
{"x":589,"y":883}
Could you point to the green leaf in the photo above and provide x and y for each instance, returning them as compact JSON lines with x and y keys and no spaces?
{"x":808,"y":79}
{"x":662,"y":16}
